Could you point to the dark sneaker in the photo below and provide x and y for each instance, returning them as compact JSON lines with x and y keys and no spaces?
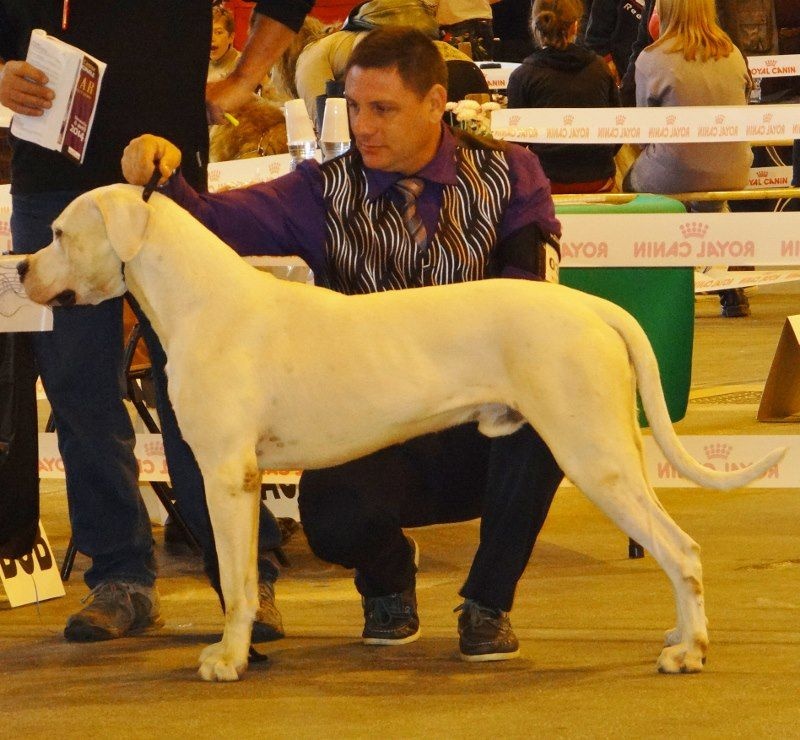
{"x":268,"y":625}
{"x":485,"y":634}
{"x":116,"y":609}
{"x":734,"y":303}
{"x":392,"y":619}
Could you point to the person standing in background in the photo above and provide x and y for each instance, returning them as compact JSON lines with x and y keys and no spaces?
{"x":80,"y":361}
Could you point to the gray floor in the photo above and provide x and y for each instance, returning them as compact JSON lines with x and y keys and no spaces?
{"x":590,"y":621}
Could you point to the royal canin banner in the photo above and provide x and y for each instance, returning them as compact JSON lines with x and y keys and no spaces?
{"x":785,"y":65}
{"x":761,"y":178}
{"x":680,"y":239}
{"x":720,"y":452}
{"x":667,"y":125}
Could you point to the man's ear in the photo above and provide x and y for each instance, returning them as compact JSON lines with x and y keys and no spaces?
{"x":125,"y":215}
{"x":437,"y":100}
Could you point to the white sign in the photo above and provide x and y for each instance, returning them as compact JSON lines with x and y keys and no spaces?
{"x":727,"y":453}
{"x":33,"y":577}
{"x":769,"y":177}
{"x":17,"y":311}
{"x":679,"y":239}
{"x":281,"y":486}
{"x":5,"y":117}
{"x":239,"y":173}
{"x":5,"y":218}
{"x":720,"y":280}
{"x":785,"y":65}
{"x":671,"y":125}
{"x":497,"y":73}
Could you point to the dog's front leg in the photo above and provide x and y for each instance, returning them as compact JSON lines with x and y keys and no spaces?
{"x":232,"y":493}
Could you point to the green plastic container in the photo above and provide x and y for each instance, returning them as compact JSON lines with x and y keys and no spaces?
{"x":660,"y":298}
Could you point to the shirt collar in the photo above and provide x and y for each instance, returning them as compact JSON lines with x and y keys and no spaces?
{"x":441,"y":169}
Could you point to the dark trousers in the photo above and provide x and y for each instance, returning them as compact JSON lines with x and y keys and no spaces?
{"x":80,"y":363}
{"x":19,"y":459}
{"x":353,"y":514}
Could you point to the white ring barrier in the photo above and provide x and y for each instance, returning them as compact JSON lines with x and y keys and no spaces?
{"x":667,"y":125}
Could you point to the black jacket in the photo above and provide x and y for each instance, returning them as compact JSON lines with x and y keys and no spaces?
{"x":571,"y":78}
{"x":157,"y":56}
{"x":612,"y":28}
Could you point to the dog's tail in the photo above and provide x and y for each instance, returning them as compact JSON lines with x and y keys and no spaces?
{"x":648,"y":381}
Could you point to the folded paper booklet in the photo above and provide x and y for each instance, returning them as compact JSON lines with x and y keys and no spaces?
{"x":75,"y":77}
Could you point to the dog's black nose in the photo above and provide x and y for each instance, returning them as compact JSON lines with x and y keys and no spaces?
{"x":22,"y":269}
{"x":65,"y":298}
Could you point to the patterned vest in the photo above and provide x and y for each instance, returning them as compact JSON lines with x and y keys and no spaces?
{"x":369,"y":249}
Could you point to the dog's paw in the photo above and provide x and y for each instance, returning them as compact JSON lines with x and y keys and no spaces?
{"x":681,"y":658}
{"x":217,"y":665}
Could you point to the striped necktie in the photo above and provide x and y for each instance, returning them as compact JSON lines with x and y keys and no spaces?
{"x":409,"y":189}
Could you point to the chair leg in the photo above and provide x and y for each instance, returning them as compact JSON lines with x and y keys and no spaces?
{"x":635,"y":550}
{"x":164,"y":493}
{"x":69,"y":560}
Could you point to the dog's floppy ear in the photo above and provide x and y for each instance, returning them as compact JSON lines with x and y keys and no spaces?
{"x":125,"y":215}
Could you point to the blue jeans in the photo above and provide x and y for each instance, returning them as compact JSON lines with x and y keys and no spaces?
{"x":96,"y":439}
{"x":80,"y":363}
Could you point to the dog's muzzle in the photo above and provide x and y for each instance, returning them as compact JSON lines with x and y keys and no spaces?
{"x":64,"y":298}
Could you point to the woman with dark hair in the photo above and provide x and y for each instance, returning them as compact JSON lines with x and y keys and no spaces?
{"x":561,"y":74}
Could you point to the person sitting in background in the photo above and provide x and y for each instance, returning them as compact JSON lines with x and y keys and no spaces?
{"x":467,"y":22}
{"x":484,"y":209}
{"x":223,"y":56}
{"x":692,"y":62}
{"x":561,"y":74}
{"x":325,"y":57}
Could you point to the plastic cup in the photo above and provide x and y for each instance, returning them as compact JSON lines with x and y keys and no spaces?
{"x":298,"y":124}
{"x":335,"y":126}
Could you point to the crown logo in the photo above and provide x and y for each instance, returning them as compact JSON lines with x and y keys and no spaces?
{"x":152,"y":449}
{"x":274,"y":168}
{"x":718,"y":450}
{"x":671,"y":119}
{"x":620,"y":120}
{"x":213,"y":175}
{"x":767,"y":117}
{"x":719,"y":119}
{"x":568,"y":120}
{"x":513,"y":121}
{"x":762,"y":173}
{"x":694,"y":228}
{"x":771,"y":62}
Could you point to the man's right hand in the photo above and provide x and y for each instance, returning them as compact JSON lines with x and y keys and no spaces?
{"x":23,"y":89}
{"x":141,"y":155}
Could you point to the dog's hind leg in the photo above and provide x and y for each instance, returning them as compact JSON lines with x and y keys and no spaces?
{"x":618,"y":486}
{"x":232,"y":493}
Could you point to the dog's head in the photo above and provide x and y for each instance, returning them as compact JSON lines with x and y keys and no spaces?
{"x":92,"y":238}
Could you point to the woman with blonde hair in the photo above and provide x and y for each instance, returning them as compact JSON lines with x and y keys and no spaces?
{"x":692,"y":62}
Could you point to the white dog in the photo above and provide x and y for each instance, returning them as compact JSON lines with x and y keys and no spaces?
{"x":271,"y":374}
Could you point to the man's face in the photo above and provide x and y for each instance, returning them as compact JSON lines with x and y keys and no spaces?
{"x":221,"y":40}
{"x":394,"y":129}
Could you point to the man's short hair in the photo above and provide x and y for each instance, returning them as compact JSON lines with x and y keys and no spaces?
{"x":409,"y":51}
